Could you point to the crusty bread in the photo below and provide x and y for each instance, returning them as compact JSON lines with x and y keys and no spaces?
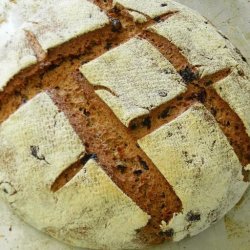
{"x":123,"y":123}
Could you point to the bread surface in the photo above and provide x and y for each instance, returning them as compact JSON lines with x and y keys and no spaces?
{"x":122,"y":123}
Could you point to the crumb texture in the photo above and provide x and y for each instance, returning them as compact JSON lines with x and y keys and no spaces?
{"x":89,"y":206}
{"x":193,"y":154}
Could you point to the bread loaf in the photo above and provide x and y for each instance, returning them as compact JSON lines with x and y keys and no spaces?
{"x":122,"y":123}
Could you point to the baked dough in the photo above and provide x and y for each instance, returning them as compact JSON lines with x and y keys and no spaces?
{"x":122,"y":124}
{"x":37,"y":144}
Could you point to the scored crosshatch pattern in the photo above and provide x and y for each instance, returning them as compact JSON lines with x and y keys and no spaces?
{"x":163,"y":207}
{"x":199,"y":89}
{"x":95,"y":48}
{"x":29,"y":16}
{"x":194,"y":93}
{"x":123,"y":103}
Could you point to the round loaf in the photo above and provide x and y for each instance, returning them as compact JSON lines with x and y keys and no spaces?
{"x":122,"y":123}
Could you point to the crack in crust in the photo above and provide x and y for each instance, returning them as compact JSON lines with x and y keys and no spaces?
{"x":70,"y":172}
{"x":100,"y":87}
{"x":40,"y":53}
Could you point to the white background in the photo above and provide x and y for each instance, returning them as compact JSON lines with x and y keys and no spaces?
{"x":231,"y":233}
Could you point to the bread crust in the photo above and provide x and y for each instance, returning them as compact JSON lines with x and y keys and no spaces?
{"x":145,"y":116}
